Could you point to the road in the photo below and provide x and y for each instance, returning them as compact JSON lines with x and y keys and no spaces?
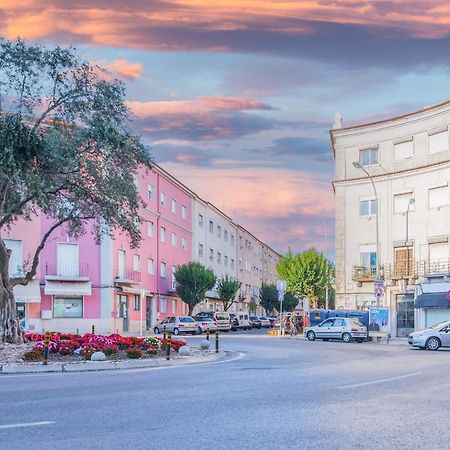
{"x":271,"y":394}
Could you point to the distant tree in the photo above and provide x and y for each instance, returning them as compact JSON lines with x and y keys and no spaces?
{"x":65,"y":152}
{"x":268,"y":297}
{"x":289,"y":302}
{"x":252,"y":305}
{"x":227,"y":290}
{"x":307,"y":275}
{"x":193,"y":280}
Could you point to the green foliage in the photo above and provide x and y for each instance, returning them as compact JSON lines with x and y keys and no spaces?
{"x":193,"y":280}
{"x":252,"y":305}
{"x":289,"y":302}
{"x":33,"y":355}
{"x":227,"y":290}
{"x":268,"y":297}
{"x":307,"y":275}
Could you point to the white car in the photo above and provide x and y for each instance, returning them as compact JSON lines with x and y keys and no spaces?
{"x":204,"y":324}
{"x":431,"y":338}
{"x":265,"y":322}
{"x":177,"y":325}
{"x":345,"y":328}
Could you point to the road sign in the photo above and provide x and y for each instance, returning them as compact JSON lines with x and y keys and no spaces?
{"x":280,"y":296}
{"x":378,"y":288}
{"x":281,"y":285}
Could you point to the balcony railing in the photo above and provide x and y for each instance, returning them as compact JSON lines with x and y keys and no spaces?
{"x":402,"y":270}
{"x":66,"y":271}
{"x":126,"y":276}
{"x":361,"y":273}
{"x":439,"y":267}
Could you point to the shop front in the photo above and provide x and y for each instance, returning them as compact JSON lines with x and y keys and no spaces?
{"x":432,"y":307}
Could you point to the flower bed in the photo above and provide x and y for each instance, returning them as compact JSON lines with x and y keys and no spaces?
{"x":71,"y":347}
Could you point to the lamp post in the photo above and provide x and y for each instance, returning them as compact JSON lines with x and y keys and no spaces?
{"x":358,"y":165}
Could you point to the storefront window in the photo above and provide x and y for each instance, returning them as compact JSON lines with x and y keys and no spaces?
{"x":68,"y":307}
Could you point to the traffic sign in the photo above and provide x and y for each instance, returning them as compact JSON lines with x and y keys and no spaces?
{"x":378,"y":288}
{"x":281,"y":285}
{"x":280,"y":296}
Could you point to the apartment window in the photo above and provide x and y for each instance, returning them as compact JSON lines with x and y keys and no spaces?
{"x":219,"y":257}
{"x":404,"y":263}
{"x":200,"y":250}
{"x":136,"y":263}
{"x":225,"y":261}
{"x":163,"y":305}
{"x":68,"y":259}
{"x":368,"y":259}
{"x":150,"y":228}
{"x":174,"y":283}
{"x":162,"y":199}
{"x":150,"y":266}
{"x":137,"y":302}
{"x":174,"y":206}
{"x":68,"y":307}
{"x":240,"y":264}
{"x":200,"y":221}
{"x":240,"y":241}
{"x":16,"y":259}
{"x":174,"y":239}
{"x":438,"y":196}
{"x":219,"y":231}
{"x":136,"y":182}
{"x":404,"y":150}
{"x":232,"y":264}
{"x":174,"y":306}
{"x":438,"y":252}
{"x":183,"y":243}
{"x":121,"y":263}
{"x":368,"y":207}
{"x":150,"y":191}
{"x":438,"y":142}
{"x":232,"y":239}
{"x":401,"y":202}
{"x":163,"y":234}
{"x":211,"y":226}
{"x":211,"y":254}
{"x":368,"y":156}
{"x":183,"y":212}
{"x":225,"y":235}
{"x":163,"y":270}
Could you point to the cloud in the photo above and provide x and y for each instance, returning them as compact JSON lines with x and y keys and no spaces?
{"x":318,"y":149}
{"x":124,"y":69}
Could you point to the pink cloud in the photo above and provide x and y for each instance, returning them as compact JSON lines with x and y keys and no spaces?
{"x":124,"y":69}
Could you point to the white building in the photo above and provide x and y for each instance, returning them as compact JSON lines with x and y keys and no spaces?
{"x":395,"y":173}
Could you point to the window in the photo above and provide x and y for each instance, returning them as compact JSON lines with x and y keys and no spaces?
{"x":232,"y":264}
{"x":136,"y":182}
{"x":163,"y":305}
{"x":68,"y":259}
{"x":136,"y":263}
{"x":121,"y":263}
{"x":183,"y":212}
{"x":211,"y":226}
{"x":163,"y":234}
{"x":162,"y":199}
{"x":368,"y":156}
{"x":174,"y":239}
{"x":211,"y":254}
{"x":225,"y":235}
{"x":174,"y":283}
{"x":232,"y":239}
{"x":150,"y":191}
{"x":401,"y":202}
{"x":150,"y":228}
{"x":404,"y":150}
{"x":16,"y":259}
{"x":200,"y":250}
{"x":219,"y":231}
{"x":438,"y":251}
{"x":438,"y":196}
{"x":438,"y":142}
{"x":368,"y":259}
{"x":183,"y":243}
{"x":219,"y":257}
{"x":68,"y":307}
{"x":368,"y":207}
{"x":137,"y":302}
{"x":200,"y":221}
{"x":225,"y":261}
{"x":174,"y":206}
{"x":404,"y":263}
{"x":163,"y":270}
{"x":174,"y":306}
{"x":150,"y":266}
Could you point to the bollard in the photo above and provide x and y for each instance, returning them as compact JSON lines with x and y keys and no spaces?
{"x":217,"y":342}
{"x":93,"y":329}
{"x":168,"y":346}
{"x":164,"y":332}
{"x":46,"y":344}
{"x":207,"y":334}
{"x":78,"y":332}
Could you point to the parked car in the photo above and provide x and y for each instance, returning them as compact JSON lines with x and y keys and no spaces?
{"x":272,"y":321}
{"x":265,"y":322}
{"x":221,"y":318}
{"x":431,"y":338}
{"x":205,"y":323}
{"x":255,"y":322}
{"x":240,"y":320}
{"x":345,"y":328}
{"x":177,"y":325}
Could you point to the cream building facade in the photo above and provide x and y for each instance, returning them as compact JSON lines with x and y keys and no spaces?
{"x":396,"y":173}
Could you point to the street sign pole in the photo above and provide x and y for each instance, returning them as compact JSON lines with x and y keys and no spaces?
{"x":281,"y":288}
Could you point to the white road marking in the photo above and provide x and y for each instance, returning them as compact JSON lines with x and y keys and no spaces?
{"x":22,"y":425}
{"x":384,"y":380}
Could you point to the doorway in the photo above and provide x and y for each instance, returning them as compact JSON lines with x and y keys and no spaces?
{"x":405,"y":314}
{"x":148,"y":313}
{"x":123,"y":311}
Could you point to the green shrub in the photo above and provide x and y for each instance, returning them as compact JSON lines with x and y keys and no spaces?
{"x":33,"y":355}
{"x":134,"y":353}
{"x":109,"y":351}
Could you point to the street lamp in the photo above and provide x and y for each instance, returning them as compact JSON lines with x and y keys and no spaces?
{"x":358,"y":165}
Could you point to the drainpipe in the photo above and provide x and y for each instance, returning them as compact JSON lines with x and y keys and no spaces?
{"x":157,"y":271}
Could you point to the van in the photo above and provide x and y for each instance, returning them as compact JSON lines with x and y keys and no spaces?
{"x":240,"y":320}
{"x":221,"y":318}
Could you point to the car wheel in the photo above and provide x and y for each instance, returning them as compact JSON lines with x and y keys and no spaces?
{"x":433,"y":343}
{"x":199,"y":330}
{"x":156,"y":330}
{"x":311,"y":336}
{"x":347,"y":337}
{"x":325,"y":339}
{"x":176,"y":331}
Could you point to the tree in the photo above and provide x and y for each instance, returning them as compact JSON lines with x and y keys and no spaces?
{"x":252,"y":305}
{"x":268,"y":297}
{"x":307,"y":275}
{"x":65,"y":152}
{"x":290,"y":302}
{"x":227,"y":290}
{"x":193,"y":280}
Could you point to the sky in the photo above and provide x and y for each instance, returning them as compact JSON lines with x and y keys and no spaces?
{"x":236,"y":97}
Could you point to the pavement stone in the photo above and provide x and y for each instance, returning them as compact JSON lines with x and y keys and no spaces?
{"x":89,"y":366}
{"x":30,"y":368}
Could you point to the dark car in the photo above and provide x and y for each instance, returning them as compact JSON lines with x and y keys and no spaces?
{"x":255,"y":322}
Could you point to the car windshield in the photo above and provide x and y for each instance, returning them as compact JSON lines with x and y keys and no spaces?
{"x":205,"y":319}
{"x":186,"y":319}
{"x":439,"y":325}
{"x":222,"y":316}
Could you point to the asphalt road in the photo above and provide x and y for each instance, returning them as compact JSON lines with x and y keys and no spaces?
{"x":271,"y":394}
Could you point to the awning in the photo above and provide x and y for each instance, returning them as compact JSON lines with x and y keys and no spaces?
{"x":31,"y":293}
{"x":136,"y":291}
{"x":432,"y":300}
{"x":68,"y":288}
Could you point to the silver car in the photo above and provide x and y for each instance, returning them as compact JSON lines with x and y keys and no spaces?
{"x":345,"y":328}
{"x":431,"y":338}
{"x":204,"y":324}
{"x":265,"y":322}
{"x":177,"y":325}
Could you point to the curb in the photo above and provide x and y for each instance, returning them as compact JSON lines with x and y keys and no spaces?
{"x":90,"y":366}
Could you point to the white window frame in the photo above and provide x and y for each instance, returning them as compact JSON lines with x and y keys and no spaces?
{"x":174,"y":206}
{"x":163,"y":304}
{"x":183,"y":243}
{"x":163,"y":234}
{"x":371,"y":202}
{"x":370,"y":151}
{"x":200,"y":220}
{"x":404,"y":150}
{"x":150,"y":192}
{"x":183,"y":211}
{"x":150,"y":266}
{"x":433,"y":190}
{"x":162,"y":199}
{"x":397,"y":195}
{"x":200,"y":250}
{"x":174,"y":239}
{"x":163,"y":269}
{"x":136,"y":262}
{"x":150,"y":228}
{"x":441,"y":135}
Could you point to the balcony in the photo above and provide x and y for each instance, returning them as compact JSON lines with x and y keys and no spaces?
{"x":124,"y":275}
{"x":402,"y":270}
{"x":437,"y":268}
{"x":362,"y":274}
{"x":66,"y":272}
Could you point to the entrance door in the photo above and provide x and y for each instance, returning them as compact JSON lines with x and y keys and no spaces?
{"x":148,"y":314}
{"x":21,"y":314}
{"x":405,"y":314}
{"x":123,"y":311}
